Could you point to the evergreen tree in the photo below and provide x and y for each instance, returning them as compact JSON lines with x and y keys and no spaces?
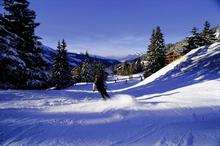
{"x":131,"y":69}
{"x":194,"y":41}
{"x":156,"y":53}
{"x":88,"y":58}
{"x":87,"y":55}
{"x":3,"y":35}
{"x":61,"y":76}
{"x":208,"y":35}
{"x":126,"y":68}
{"x":20,"y":20}
{"x":138,"y":67}
{"x":86,"y":70}
{"x":89,"y":70}
{"x":99,"y":69}
{"x":11,"y":66}
{"x":22,"y":55}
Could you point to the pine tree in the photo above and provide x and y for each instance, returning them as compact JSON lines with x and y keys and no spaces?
{"x":99,"y":69}
{"x":89,"y":68}
{"x":138,"y":67}
{"x":11,"y":66}
{"x":20,"y":20}
{"x":193,"y":41}
{"x":156,"y":53}
{"x":4,"y":48}
{"x":208,"y":35}
{"x":61,"y":76}
{"x":86,"y":72}
{"x":126,"y":68}
{"x":131,"y":69}
{"x":87,"y":55}
{"x":23,"y":57}
{"x":86,"y":69}
{"x":88,"y":58}
{"x":3,"y":35}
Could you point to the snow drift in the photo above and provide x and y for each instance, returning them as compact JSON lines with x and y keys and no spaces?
{"x":96,"y":106}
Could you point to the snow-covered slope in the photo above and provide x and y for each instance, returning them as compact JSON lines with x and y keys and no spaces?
{"x":178,"y":105}
{"x":199,"y":65}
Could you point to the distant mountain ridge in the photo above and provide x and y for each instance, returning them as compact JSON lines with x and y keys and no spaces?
{"x":76,"y":59}
{"x":129,"y":57}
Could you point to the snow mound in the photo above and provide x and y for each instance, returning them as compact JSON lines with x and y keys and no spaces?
{"x":121,"y":101}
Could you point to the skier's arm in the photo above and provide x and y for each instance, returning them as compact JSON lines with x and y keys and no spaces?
{"x":105,"y":85}
{"x":94,"y":87}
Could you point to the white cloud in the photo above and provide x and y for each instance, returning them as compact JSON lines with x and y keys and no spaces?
{"x":99,"y":44}
{"x":117,"y":46}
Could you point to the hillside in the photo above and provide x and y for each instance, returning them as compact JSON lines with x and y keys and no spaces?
{"x":197,"y":66}
{"x":178,"y":105}
{"x":75,"y":59}
{"x":178,"y":47}
{"x":129,"y":57}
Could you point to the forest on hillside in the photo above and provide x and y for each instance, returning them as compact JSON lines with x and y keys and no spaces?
{"x":24,"y":66}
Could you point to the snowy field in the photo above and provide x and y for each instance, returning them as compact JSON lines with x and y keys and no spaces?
{"x":178,"y":105}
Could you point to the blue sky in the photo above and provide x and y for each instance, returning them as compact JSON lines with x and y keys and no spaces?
{"x":119,"y":27}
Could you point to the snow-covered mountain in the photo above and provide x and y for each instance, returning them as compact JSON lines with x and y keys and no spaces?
{"x":75,"y":59}
{"x":178,"y":105}
{"x":125,"y":58}
{"x":129,"y":58}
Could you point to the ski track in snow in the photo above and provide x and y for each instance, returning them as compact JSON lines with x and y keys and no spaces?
{"x":178,"y":105}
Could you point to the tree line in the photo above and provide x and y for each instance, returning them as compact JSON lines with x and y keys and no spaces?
{"x":154,"y":59}
{"x":22,"y":64}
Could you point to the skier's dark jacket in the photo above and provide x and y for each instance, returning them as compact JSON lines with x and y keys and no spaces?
{"x":100,"y":86}
{"x":100,"y":83}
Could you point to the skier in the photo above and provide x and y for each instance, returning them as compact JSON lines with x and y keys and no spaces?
{"x":99,"y":84}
